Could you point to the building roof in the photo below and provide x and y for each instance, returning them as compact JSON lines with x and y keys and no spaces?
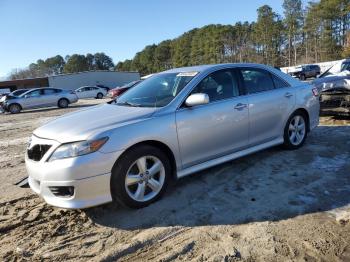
{"x":94,"y":71}
{"x":20,"y":81}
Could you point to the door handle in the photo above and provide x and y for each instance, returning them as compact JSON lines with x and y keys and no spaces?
{"x":240,"y":106}
{"x":288,"y":95}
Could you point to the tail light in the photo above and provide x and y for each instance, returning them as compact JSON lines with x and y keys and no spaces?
{"x":315,"y":91}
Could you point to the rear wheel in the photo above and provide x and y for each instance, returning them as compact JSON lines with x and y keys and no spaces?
{"x":140,"y":176}
{"x":15,"y":108}
{"x":99,"y":96}
{"x":295,"y":131}
{"x":63,"y":103}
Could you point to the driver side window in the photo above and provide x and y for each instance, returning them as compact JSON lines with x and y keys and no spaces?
{"x":219,"y":85}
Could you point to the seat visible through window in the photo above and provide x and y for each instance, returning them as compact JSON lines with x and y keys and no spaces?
{"x":218,"y":86}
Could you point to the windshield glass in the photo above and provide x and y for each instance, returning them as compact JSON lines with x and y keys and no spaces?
{"x":131,"y":84}
{"x":18,"y":92}
{"x":156,"y":91}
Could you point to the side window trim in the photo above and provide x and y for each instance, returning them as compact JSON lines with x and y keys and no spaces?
{"x":274,"y":84}
{"x":271,"y":74}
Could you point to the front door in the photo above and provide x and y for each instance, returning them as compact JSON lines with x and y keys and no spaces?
{"x":212,"y":130}
{"x":32,"y":99}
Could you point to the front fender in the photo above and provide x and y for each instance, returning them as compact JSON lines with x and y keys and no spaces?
{"x":161,"y":129}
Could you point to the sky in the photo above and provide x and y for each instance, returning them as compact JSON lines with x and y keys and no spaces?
{"x":38,"y":29}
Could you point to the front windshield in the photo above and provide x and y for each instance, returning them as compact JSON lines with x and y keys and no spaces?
{"x":131,"y":84}
{"x":18,"y":92}
{"x":156,"y":91}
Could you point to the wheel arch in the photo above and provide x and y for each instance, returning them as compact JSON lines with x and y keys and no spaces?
{"x":14,"y":103}
{"x":162,"y":146}
{"x":307,"y":116}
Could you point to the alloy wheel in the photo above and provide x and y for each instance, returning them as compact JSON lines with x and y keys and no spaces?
{"x":296,"y":130}
{"x":145,"y":178}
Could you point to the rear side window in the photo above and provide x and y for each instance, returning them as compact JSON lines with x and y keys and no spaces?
{"x":279,"y":83}
{"x":218,"y":85}
{"x":257,"y":80}
{"x":49,"y":91}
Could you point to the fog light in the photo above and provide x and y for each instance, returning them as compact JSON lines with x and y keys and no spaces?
{"x":62,"y":191}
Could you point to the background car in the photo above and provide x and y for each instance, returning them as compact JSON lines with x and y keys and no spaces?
{"x":12,"y":94}
{"x":334,"y":88}
{"x":104,"y":87}
{"x":39,"y":97}
{"x":115,"y":92}
{"x":90,"y":92}
{"x":305,"y":71}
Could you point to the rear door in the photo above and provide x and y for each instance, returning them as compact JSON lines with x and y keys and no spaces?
{"x":215,"y":129}
{"x":49,"y":97}
{"x":82,"y":92}
{"x":94,"y":91}
{"x":270,"y":102}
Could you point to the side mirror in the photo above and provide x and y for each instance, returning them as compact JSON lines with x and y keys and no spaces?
{"x":197,"y":99}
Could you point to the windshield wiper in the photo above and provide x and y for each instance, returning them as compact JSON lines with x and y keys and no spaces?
{"x":126,"y":103}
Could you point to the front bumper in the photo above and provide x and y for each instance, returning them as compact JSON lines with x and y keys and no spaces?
{"x":89,"y":175}
{"x":88,"y":192}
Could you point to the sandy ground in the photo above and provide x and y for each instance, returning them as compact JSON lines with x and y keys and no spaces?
{"x":274,"y":205}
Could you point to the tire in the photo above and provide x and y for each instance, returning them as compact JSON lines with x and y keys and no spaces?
{"x":63,"y":103}
{"x":302,"y":77}
{"x":14,"y":108}
{"x":294,"y":137}
{"x":128,"y":181}
{"x":99,"y":96}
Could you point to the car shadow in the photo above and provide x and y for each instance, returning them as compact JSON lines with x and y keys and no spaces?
{"x":270,"y":185}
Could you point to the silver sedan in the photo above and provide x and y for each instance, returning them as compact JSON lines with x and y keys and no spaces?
{"x":39,"y":97}
{"x":172,"y":124}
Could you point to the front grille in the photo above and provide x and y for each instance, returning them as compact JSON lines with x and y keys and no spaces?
{"x":37,"y":152}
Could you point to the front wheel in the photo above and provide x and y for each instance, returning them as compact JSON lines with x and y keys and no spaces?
{"x":295,"y":131}
{"x":15,"y":108}
{"x":140,"y":176}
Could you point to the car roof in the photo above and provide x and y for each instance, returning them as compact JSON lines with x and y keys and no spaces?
{"x":202,"y":68}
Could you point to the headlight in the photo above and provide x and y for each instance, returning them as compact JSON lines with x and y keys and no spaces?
{"x":78,"y":148}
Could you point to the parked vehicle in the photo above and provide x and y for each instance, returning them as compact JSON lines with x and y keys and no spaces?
{"x":334,"y":88}
{"x":39,"y":97}
{"x":104,"y":87}
{"x":173,"y":124}
{"x":115,"y":92}
{"x":90,"y":92}
{"x":4,"y":94}
{"x":12,"y":94}
{"x":305,"y":71}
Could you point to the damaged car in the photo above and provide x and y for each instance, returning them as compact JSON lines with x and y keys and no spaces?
{"x":334,"y":88}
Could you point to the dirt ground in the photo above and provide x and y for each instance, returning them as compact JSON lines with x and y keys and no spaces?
{"x":274,"y":205}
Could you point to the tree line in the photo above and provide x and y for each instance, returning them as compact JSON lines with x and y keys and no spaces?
{"x":313,"y":33}
{"x":317,"y":32}
{"x":70,"y":64}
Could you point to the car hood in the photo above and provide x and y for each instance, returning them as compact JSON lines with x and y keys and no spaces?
{"x":86,"y":123}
